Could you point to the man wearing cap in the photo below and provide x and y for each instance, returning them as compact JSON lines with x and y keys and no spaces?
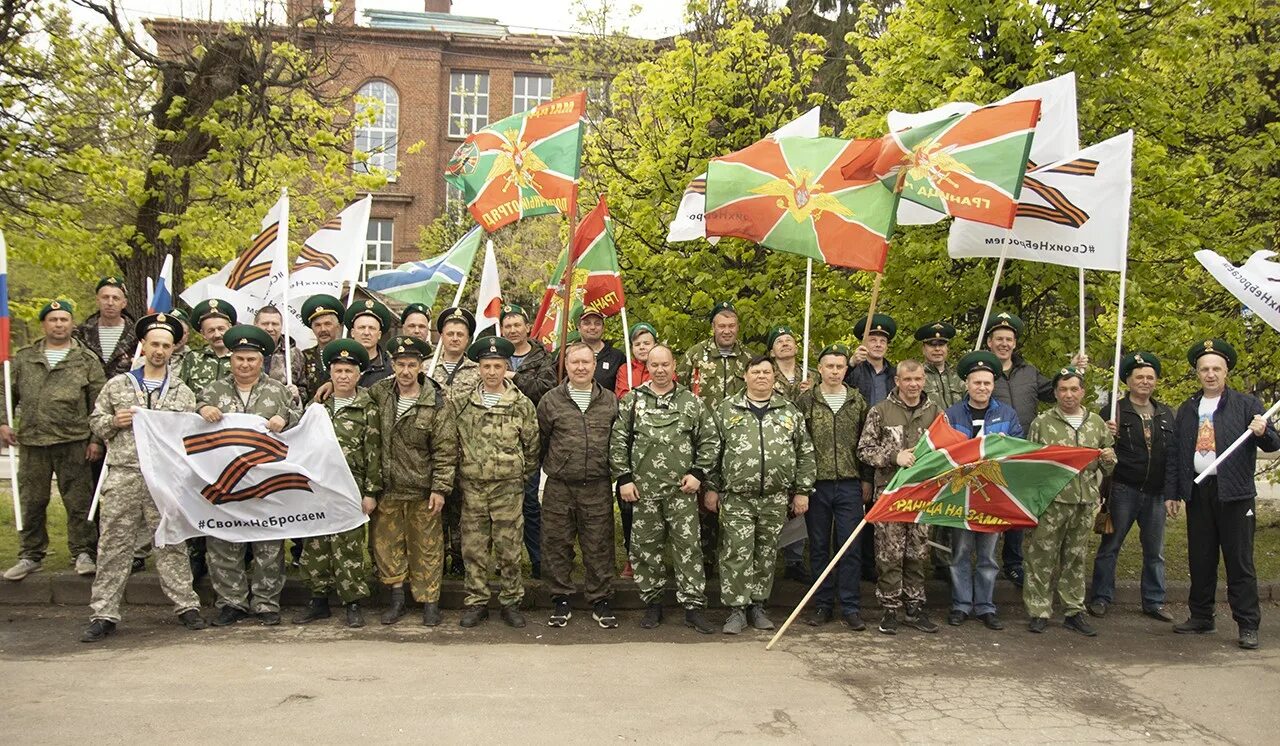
{"x":248,"y":390}
{"x":419,"y":463}
{"x":126,"y":507}
{"x":180,"y":349}
{"x":766,"y":466}
{"x":368,"y":320}
{"x":643,"y":339}
{"x":788,"y":379}
{"x":1059,"y":543}
{"x":977,"y":414}
{"x":336,"y":562}
{"x":498,"y":437}
{"x":870,"y":372}
{"x":943,"y":386}
{"x":270,"y":320}
{"x":1221,"y":509}
{"x":55,"y":383}
{"x":1144,"y":478}
{"x":415,"y":321}
{"x":323,"y":314}
{"x":459,"y":375}
{"x":610,"y":361}
{"x":109,"y":333}
{"x":212,"y":318}
{"x":834,"y":414}
{"x":663,"y":444}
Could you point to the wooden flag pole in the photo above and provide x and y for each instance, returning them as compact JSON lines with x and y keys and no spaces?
{"x":991,"y":298}
{"x":566,"y":282}
{"x":814,"y":588}
{"x":808,"y":296}
{"x":626,"y":343}
{"x":871,"y":309}
{"x":13,"y":456}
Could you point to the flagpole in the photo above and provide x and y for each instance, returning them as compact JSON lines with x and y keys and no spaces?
{"x":626,"y":343}
{"x":1235,"y":445}
{"x":13,"y":456}
{"x":97,"y":490}
{"x":1115,"y":375}
{"x":286,"y":312}
{"x":1082,"y":312}
{"x":567,"y":283}
{"x":457,"y":298}
{"x":991,"y":297}
{"x":814,"y":588}
{"x":808,"y":294}
{"x":871,"y":309}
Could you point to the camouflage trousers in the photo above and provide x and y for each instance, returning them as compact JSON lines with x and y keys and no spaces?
{"x":37,"y":466}
{"x":493,"y":519}
{"x":409,"y":546}
{"x":234,"y":585}
{"x":336,"y":562}
{"x":662,"y":521}
{"x":581,"y":510}
{"x":125,"y":510}
{"x":901,"y":554}
{"x":749,"y":527}
{"x":1059,"y":543}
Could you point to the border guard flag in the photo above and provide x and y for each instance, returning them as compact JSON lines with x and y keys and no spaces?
{"x":418,"y":282}
{"x":597,"y":278}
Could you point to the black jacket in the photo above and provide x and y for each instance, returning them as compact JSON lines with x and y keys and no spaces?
{"x":1236,"y":474}
{"x":1152,"y":474}
{"x":859,"y":377}
{"x":1023,"y":387}
{"x":609,"y":362}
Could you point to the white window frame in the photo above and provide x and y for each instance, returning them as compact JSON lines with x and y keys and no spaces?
{"x":468,"y":102}
{"x":379,"y":247}
{"x":530,"y":89}
{"x":380,"y":138}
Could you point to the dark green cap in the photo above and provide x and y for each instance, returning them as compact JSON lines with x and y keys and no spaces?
{"x":213,"y":308}
{"x":114,"y":281}
{"x":246,"y":337}
{"x":1068,"y":372}
{"x":1212,"y":347}
{"x":455,"y":313}
{"x":491,"y":347}
{"x":643,"y":327}
{"x":368,"y":307}
{"x":167,"y":321}
{"x":322,"y":305}
{"x":834,"y":349}
{"x":415,"y":308}
{"x":180,"y":315}
{"x":1004,"y":320}
{"x":405,"y":346}
{"x":979,"y":361}
{"x":345,"y":351}
{"x":1136,"y":360}
{"x":723,"y":306}
{"x":512,"y":309}
{"x":881,"y":323}
{"x":776,"y":332}
{"x":938,"y":330}
{"x":61,"y":304}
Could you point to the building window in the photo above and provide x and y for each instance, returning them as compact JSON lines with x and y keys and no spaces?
{"x":379,"y":247}
{"x":598,"y":99}
{"x":378,"y":138}
{"x":468,"y":103}
{"x":527,"y":91}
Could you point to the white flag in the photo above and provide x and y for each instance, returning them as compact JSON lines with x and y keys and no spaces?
{"x":249,"y":276}
{"x":689,"y":223}
{"x":1256,"y":283}
{"x":330,"y":257}
{"x":489,"y":299}
{"x":1073,"y":212}
{"x":1057,"y":133}
{"x":237,"y":481}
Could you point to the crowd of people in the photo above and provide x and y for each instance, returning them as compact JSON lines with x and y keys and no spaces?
{"x":705,"y":453}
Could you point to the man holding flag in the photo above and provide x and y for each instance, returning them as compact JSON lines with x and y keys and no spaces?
{"x":459,"y":376}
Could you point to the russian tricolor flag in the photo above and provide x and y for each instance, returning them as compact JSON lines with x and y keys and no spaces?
{"x":161,"y":299}
{"x":4,"y":301}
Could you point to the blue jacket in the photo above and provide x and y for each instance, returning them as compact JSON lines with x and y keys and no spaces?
{"x":1001,"y":418}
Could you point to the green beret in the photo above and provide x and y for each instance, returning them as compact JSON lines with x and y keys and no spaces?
{"x":512,"y":309}
{"x":61,"y":304}
{"x":977,"y":361}
{"x":371,"y":308}
{"x":1212,"y":347}
{"x":723,"y":306}
{"x":246,"y":337}
{"x":776,"y":332}
{"x":880,"y":324}
{"x":456,"y":314}
{"x":1138,"y":360}
{"x":321,"y":305}
{"x":114,"y":281}
{"x":636,"y":329}
{"x":1004,"y":320}
{"x":167,"y":321}
{"x":938,"y":330}
{"x":491,"y":347}
{"x":1068,"y":372}
{"x":213,"y":309}
{"x":180,"y":315}
{"x":415,"y":308}
{"x":406,"y":346}
{"x":345,"y":351}
{"x":835,"y":349}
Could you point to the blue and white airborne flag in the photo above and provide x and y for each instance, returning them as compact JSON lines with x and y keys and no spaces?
{"x":418,"y":282}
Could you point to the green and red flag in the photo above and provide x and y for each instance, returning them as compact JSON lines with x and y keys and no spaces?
{"x":788,"y":194}
{"x":967,"y":165}
{"x":596,"y":277}
{"x":524,"y":165}
{"x":990,"y":483}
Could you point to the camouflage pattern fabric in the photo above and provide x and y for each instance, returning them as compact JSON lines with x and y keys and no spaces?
{"x":492,"y":517}
{"x":582,"y":511}
{"x":749,"y":527}
{"x":409,"y":546}
{"x":37,"y":466}
{"x":901,"y":553}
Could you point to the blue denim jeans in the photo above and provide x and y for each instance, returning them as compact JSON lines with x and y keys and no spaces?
{"x":973,"y":588}
{"x":1129,"y":505}
{"x":834,"y":511}
{"x":533,"y":520}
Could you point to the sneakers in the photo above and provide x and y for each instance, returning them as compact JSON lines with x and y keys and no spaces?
{"x":991,"y":621}
{"x":1037,"y":625}
{"x":431,"y":614}
{"x":1159,"y":613}
{"x":98,"y":630}
{"x":85,"y":565}
{"x":1248,"y":639}
{"x":229,"y":615}
{"x":917,"y":619}
{"x":819,"y":616}
{"x":889,"y":623}
{"x":355,"y":617}
{"x":603,"y":614}
{"x":736,"y":623}
{"x":698,"y":620}
{"x":1097,"y":608}
{"x":317,"y":608}
{"x":473,"y":616}
{"x":1077,"y":623}
{"x":268,"y":618}
{"x":652,"y":616}
{"x":1195,"y":626}
{"x":757,"y":619}
{"x":956,"y":617}
{"x":22,"y":569}
{"x":561,"y":612}
{"x":854,"y":620}
{"x":512,"y":616}
{"x":1015,"y":575}
{"x":192,"y":620}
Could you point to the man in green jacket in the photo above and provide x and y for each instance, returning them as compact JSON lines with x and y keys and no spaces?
{"x":212,"y":318}
{"x":55,"y":384}
{"x":766,"y":464}
{"x":459,"y":376}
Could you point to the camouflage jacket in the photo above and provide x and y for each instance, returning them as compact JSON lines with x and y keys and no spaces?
{"x":537,"y":373}
{"x":711,"y":376}
{"x":276,"y":366}
{"x":119,"y":359}
{"x":420,"y":449}
{"x":358,"y":428}
{"x":52,"y":405}
{"x":199,"y":369}
{"x":656,"y":440}
{"x":892,"y":427}
{"x":314,"y":374}
{"x":123,"y":392}
{"x":835,"y":434}
{"x":574,"y":445}
{"x":1052,"y":429}
{"x":787,"y":389}
{"x":266,"y":399}
{"x":943,"y":387}
{"x":762,"y":456}
{"x":459,"y":384}
{"x":498,"y":443}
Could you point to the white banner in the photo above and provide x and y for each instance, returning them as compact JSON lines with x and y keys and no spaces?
{"x":1256,"y":283}
{"x":237,"y":481}
{"x":1073,"y":212}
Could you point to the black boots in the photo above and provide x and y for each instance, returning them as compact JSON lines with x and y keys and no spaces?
{"x":396,"y":609}
{"x":317,"y":608}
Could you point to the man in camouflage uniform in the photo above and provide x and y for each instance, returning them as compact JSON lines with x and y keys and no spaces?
{"x":337,"y":561}
{"x":943,"y":387}
{"x":126,"y":506}
{"x":212,"y":318}
{"x":459,"y":376}
{"x":368,"y":320}
{"x":113,"y":315}
{"x":415,"y":321}
{"x":248,"y":390}
{"x":1060,"y":542}
{"x":766,"y":461}
{"x":419,"y":462}
{"x":498,"y":433}
{"x":55,"y":383}
{"x":668,"y":433}
{"x":323,"y":314}
{"x":888,"y":438}
{"x":789,"y":379}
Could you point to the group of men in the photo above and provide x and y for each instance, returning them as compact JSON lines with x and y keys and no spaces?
{"x":707,"y":453}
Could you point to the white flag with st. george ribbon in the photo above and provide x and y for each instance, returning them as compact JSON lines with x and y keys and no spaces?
{"x":1073,"y":212}
{"x":489,"y":299}
{"x":236,"y":481}
{"x":1256,"y":283}
{"x":246,"y":281}
{"x":689,"y":223}
{"x":330,"y":257}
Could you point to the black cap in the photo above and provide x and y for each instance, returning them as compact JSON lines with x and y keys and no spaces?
{"x":153,"y":321}
{"x":936,"y":331}
{"x":455,"y":313}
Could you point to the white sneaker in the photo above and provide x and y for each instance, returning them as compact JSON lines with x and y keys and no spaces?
{"x":21,"y":570}
{"x":85,"y":565}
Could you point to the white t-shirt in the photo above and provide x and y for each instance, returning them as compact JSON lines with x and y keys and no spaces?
{"x":1206,"y":445}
